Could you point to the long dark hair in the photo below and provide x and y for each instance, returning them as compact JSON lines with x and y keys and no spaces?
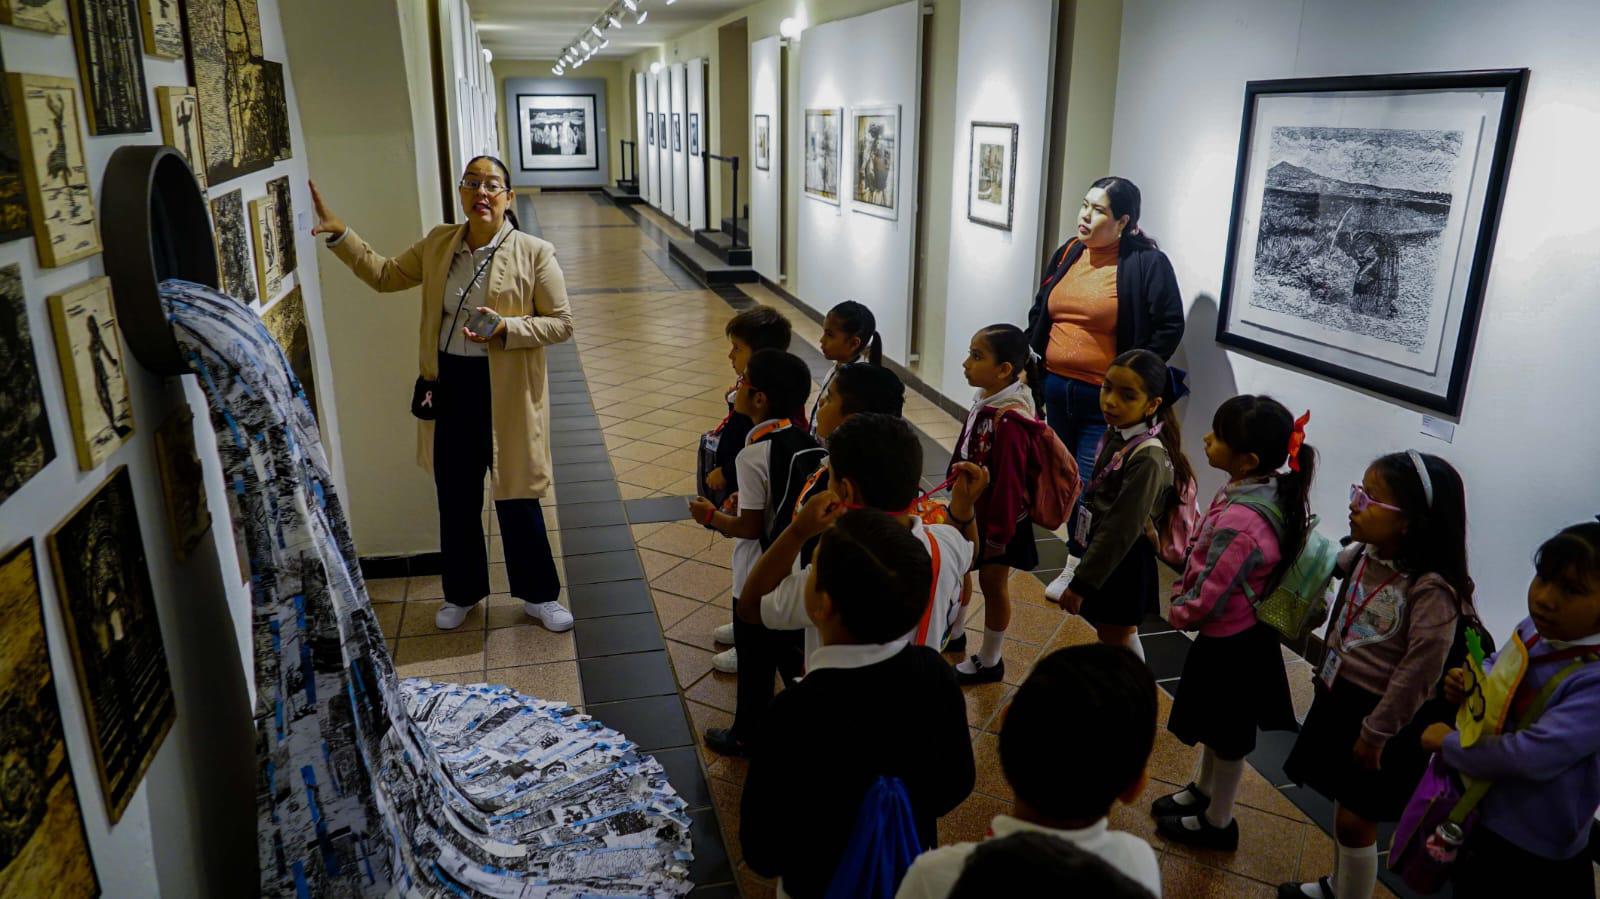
{"x":1158,"y":381}
{"x":857,"y":321}
{"x":1126,"y":201}
{"x":1262,"y":425}
{"x":1010,"y":344}
{"x":511,"y":214}
{"x":1436,"y":533}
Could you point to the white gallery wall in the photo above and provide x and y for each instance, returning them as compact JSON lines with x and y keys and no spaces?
{"x":1007,"y":56}
{"x":872,"y":60}
{"x":649,"y":151}
{"x":766,"y":186}
{"x":641,"y":109}
{"x":694,"y":120}
{"x":678,"y":121}
{"x":582,"y":88}
{"x":1526,"y":439}
{"x":469,"y":86}
{"x":663,"y":94}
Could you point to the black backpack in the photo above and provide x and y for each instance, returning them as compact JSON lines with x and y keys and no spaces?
{"x":795,"y":456}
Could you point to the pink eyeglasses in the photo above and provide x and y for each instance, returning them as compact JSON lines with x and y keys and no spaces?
{"x":1360,"y":499}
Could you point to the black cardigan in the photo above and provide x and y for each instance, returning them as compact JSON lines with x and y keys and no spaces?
{"x":1149,"y":307}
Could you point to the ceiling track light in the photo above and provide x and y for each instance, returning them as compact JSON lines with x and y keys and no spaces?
{"x":596,"y":31}
{"x":643,"y":14}
{"x":631,"y":5}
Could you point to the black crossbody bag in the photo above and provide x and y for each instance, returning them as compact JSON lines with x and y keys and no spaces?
{"x":425,"y":396}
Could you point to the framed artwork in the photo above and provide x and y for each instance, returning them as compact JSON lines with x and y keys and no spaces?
{"x":649,"y":130}
{"x":26,"y":446}
{"x":677,"y":133}
{"x":694,"y":134}
{"x":283,"y":207}
{"x":180,"y":126}
{"x":111,"y":63}
{"x":233,"y":247}
{"x":1364,"y":217}
{"x":50,"y":147}
{"x":286,"y":322}
{"x":94,"y":370}
{"x":763,"y":143}
{"x":15,"y":223}
{"x":46,"y":849}
{"x":108,"y":611}
{"x":275,"y":108}
{"x":822,"y":154}
{"x":229,"y":75}
{"x":264,"y":244}
{"x":661,"y":128}
{"x":163,"y":28}
{"x":183,"y":483}
{"x":876,"y":178}
{"x":39,"y":15}
{"x":992,"y":174}
{"x":557,"y":132}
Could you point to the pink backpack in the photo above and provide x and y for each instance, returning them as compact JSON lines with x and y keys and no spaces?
{"x":1052,"y":474}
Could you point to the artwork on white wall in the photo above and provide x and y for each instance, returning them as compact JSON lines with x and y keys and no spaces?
{"x":1364,"y":217}
{"x":763,"y":143}
{"x":694,"y":134}
{"x":649,"y":130}
{"x":876,"y":174}
{"x":677,"y":133}
{"x":557,"y":132}
{"x":822,"y":154}
{"x":992,"y":174}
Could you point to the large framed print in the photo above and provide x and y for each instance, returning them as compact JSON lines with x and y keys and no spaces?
{"x":876,"y":177}
{"x":822,"y":154}
{"x":557,"y":132}
{"x":1364,"y":217}
{"x":992,"y":174}
{"x":764,"y":143}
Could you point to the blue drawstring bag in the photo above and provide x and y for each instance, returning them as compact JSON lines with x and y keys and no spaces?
{"x":883,"y":844}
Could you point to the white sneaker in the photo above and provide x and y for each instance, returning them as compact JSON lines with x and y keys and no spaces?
{"x":726,"y":661}
{"x":551,"y":614}
{"x":450,"y":616}
{"x":1058,"y":587}
{"x":723,"y":634}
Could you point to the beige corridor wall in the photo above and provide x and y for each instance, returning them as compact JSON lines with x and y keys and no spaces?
{"x":619,"y":118}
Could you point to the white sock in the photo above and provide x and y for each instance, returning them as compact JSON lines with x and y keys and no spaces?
{"x":1356,"y":874}
{"x":1136,"y":646}
{"x":1202,"y":782}
{"x":1313,"y":890}
{"x":1225,"y":778}
{"x":993,"y":642}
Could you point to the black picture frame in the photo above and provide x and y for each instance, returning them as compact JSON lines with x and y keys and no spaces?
{"x":589,"y":161}
{"x":763,"y":127}
{"x":677,"y":132}
{"x":1011,"y":175}
{"x":694,"y":134}
{"x":1455,"y":345}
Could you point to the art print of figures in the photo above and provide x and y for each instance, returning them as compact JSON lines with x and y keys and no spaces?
{"x":230,"y":77}
{"x":649,"y":130}
{"x":163,"y":28}
{"x":822,"y":154}
{"x":183,"y":483}
{"x":286,"y":322}
{"x":557,"y":132}
{"x":108,"y":611}
{"x":65,"y":228}
{"x":1363,"y":220}
{"x":677,"y":133}
{"x":233,"y":247}
{"x":26,"y":446}
{"x":877,"y":161}
{"x":40,"y":15}
{"x":276,"y":109}
{"x":283,"y":208}
{"x":112,"y":66}
{"x":991,"y":179}
{"x":694,"y":134}
{"x":93,"y":369}
{"x":764,"y":143}
{"x":44,"y":850}
{"x":265,"y":243}
{"x":14,"y":220}
{"x":180,"y":126}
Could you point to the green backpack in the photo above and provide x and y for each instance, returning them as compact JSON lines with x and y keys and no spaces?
{"x":1297,"y":602}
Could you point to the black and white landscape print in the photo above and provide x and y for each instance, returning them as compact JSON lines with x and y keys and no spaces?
{"x":1350,"y":231}
{"x":233,"y":247}
{"x":557,"y":131}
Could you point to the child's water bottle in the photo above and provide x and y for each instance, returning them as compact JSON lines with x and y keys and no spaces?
{"x":1445,"y":843}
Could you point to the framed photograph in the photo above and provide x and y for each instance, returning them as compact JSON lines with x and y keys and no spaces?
{"x":232,"y":235}
{"x":822,"y":154}
{"x":283,"y":208}
{"x":46,"y":846}
{"x":677,"y":133}
{"x":111,"y":64}
{"x":94,"y":370}
{"x":649,"y":130}
{"x":229,"y":73}
{"x":163,"y":28}
{"x":109,"y":613}
{"x":49,"y":16}
{"x":876,"y":178}
{"x":557,"y":132}
{"x":661,"y":128}
{"x":183,"y":484}
{"x":264,"y":244}
{"x":179,"y":108}
{"x":992,"y":174}
{"x":763,"y":143}
{"x":694,"y":134}
{"x":26,"y":446}
{"x":1364,"y":216}
{"x":50,"y":146}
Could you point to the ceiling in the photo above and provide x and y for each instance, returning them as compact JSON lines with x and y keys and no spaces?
{"x":541,"y":29}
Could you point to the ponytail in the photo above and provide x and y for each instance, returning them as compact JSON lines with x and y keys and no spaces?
{"x":875,"y":349}
{"x":1265,"y":427}
{"x":1010,"y":346}
{"x":1168,"y":384}
{"x":856,"y":320}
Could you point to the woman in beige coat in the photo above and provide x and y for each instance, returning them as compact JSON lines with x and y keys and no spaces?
{"x":490,"y":392}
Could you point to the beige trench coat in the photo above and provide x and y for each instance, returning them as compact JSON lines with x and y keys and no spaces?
{"x":527,"y":288}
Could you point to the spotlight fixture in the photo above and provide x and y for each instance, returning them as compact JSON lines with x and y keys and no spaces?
{"x":655,"y":67}
{"x":643,"y":14}
{"x":584,"y":44}
{"x":596,"y":31}
{"x":612,"y":18}
{"x":488,"y":55}
{"x":790,"y":28}
{"x":631,"y":5}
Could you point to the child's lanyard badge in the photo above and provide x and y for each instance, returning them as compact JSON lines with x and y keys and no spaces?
{"x":1355,"y":604}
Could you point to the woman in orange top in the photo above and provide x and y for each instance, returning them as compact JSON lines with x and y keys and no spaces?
{"x":1108,"y":290}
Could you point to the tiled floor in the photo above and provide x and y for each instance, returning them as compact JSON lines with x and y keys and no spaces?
{"x":644,"y":376}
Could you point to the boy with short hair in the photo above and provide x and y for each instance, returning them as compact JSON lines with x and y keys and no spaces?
{"x":871,"y":706}
{"x":1075,"y":740}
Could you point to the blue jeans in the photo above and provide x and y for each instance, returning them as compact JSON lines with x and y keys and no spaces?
{"x":1073,"y":410}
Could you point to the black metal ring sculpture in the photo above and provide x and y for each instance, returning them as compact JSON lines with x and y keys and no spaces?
{"x":155,"y":225}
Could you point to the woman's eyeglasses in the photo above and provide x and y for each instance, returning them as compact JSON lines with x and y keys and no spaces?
{"x":1362,"y":500}
{"x":492,"y":188}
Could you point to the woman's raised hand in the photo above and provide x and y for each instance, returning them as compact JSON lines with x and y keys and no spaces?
{"x":327,"y":222}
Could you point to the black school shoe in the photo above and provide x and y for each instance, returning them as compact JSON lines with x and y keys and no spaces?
{"x":957,"y":645}
{"x":1293,"y":891}
{"x":1209,"y":836}
{"x":1166,"y":807}
{"x":983,"y":675}
{"x":722,"y":741}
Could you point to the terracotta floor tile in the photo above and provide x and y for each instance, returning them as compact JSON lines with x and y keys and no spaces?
{"x":511,"y":647}
{"x":689,"y":663}
{"x":671,"y":608}
{"x":1032,"y":624}
{"x":754,"y":886}
{"x":1317,"y":856}
{"x":696,"y":629}
{"x":676,"y":437}
{"x":1018,"y":656}
{"x":1134,"y":817}
{"x":1182,"y":877}
{"x":1256,"y":792}
{"x":555,"y":681}
{"x":640,"y":451}
{"x":439,"y":654}
{"x":717,"y":690}
{"x":388,"y":615}
{"x":505,"y":610}
{"x":991,"y":779}
{"x":696,"y":580}
{"x":657,"y":564}
{"x":427,"y":587}
{"x":641,"y":531}
{"x":719,"y":553}
{"x":633,"y":429}
{"x":1269,"y":848}
{"x":648,"y":474}
{"x":390,"y":589}
{"x":969,"y":821}
{"x":418,"y":620}
{"x":984,"y":702}
{"x":730,"y":769}
{"x":1074,"y":631}
{"x":725,"y":797}
{"x":634,"y":491}
{"x":702,"y":717}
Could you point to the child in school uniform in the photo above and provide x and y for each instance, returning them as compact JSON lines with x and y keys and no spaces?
{"x":849,"y":336}
{"x":1074,"y":742}
{"x":1534,"y":823}
{"x":1233,"y":678}
{"x":1133,"y":485}
{"x":1401,"y":614}
{"x":871,"y":705}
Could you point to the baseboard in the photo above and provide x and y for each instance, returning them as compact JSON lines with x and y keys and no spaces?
{"x":418,"y":565}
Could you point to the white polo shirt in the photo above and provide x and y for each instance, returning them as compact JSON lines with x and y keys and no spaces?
{"x":934,"y":874}
{"x":754,"y":468}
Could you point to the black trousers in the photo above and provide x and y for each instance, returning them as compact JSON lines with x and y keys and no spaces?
{"x":762,"y":653}
{"x":463,"y":449}
{"x":1493,"y":867}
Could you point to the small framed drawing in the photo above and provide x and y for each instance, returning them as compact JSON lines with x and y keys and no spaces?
{"x":694,"y":134}
{"x":822,"y":154}
{"x":992,"y":174}
{"x":1364,"y":216}
{"x":649,"y":130}
{"x":763,"y":143}
{"x":556,"y":132}
{"x":661,"y":130}
{"x":180,"y":126}
{"x":677,"y":132}
{"x":876,"y":177}
{"x":93,"y":369}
